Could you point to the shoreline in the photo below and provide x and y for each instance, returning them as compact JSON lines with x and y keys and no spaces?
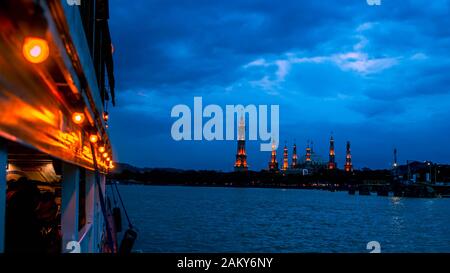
{"x":330,"y":188}
{"x":295,"y":187}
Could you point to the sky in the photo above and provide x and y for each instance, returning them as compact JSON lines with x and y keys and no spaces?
{"x":378,"y":76}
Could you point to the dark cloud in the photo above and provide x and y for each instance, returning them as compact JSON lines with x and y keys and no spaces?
{"x":193,"y":43}
{"x":415,"y":78}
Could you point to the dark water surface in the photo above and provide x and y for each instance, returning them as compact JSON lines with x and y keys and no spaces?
{"x":201,"y":219}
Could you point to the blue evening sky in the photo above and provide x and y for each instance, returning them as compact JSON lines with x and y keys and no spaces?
{"x":378,"y":76}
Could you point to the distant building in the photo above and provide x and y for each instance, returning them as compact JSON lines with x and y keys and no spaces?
{"x":311,"y":164}
{"x":425,"y":172}
{"x":241,"y":155}
{"x":285,"y":158}
{"x":332,"y":160}
{"x":294,"y":163}
{"x":348,"y":159}
{"x":273,"y":164}
{"x":308,"y":154}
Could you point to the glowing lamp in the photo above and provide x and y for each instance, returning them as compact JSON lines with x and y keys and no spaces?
{"x":108,"y":159}
{"x":78,"y":118}
{"x":105,"y":155}
{"x":93,"y":138}
{"x":101,"y":149}
{"x":35,"y":50}
{"x":105,"y":116}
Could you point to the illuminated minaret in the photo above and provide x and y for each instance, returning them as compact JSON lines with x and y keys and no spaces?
{"x":348,"y":159}
{"x":308,"y":154}
{"x":241,"y":156}
{"x":294,"y":157}
{"x":285,"y":158}
{"x":332,"y":161}
{"x":273,"y":164}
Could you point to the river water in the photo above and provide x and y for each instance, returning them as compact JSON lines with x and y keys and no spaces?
{"x":202,"y":219}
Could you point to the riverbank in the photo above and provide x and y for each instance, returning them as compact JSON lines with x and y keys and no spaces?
{"x":335,"y":178}
{"x":412,"y":191}
{"x":365,"y":182}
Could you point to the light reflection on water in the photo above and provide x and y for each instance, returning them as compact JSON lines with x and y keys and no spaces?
{"x":198,"y":219}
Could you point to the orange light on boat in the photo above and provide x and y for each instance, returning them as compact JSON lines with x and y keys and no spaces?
{"x":93,"y":138}
{"x":108,"y":159}
{"x":35,"y":50}
{"x":78,"y":118}
{"x":105,"y":116}
{"x":101,"y":149}
{"x":105,"y":155}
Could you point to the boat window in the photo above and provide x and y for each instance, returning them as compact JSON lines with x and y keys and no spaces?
{"x":33,"y":201}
